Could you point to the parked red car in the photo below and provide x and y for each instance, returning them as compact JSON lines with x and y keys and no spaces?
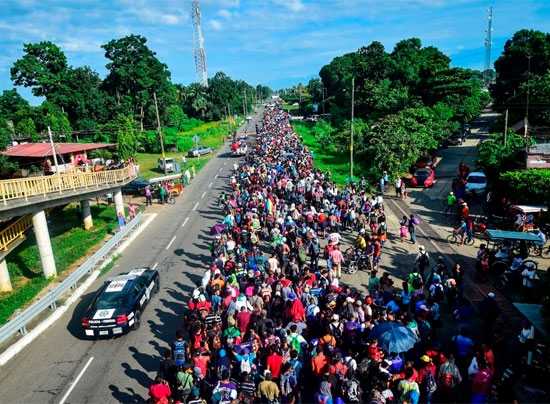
{"x":425,"y":162}
{"x":423,"y":177}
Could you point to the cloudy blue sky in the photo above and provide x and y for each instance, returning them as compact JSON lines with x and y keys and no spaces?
{"x":278,"y":43}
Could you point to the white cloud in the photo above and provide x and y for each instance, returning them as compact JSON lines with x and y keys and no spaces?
{"x":225,"y":14}
{"x":215,"y":25}
{"x":293,"y":5}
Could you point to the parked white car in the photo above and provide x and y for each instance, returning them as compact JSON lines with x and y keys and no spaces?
{"x":170,"y":164}
{"x":199,"y":151}
{"x":476,"y":183}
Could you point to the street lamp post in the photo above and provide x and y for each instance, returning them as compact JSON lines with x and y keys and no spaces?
{"x":351,"y":128}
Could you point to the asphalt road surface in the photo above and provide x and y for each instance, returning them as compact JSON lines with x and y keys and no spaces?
{"x":61,"y":366}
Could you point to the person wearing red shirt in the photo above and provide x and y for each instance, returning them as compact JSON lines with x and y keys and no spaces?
{"x":375,"y":352}
{"x":273,"y":362}
{"x":243,"y":319}
{"x":160,"y":391}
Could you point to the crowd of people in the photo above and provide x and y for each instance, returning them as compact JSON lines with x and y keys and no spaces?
{"x":270,"y":322}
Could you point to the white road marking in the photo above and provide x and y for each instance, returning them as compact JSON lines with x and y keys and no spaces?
{"x":73,"y":385}
{"x":156,"y":265}
{"x":196,"y":206}
{"x":204,"y":193}
{"x":185,"y":221}
{"x":216,"y":176}
{"x":170,"y":243}
{"x":221,"y":168}
{"x":210,"y":185}
{"x":225,"y":162}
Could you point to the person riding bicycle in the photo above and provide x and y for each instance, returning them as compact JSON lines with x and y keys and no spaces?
{"x":542,"y":238}
{"x":462,"y":231}
{"x":360,"y":243}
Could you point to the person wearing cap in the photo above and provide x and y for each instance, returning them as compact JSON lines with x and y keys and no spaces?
{"x":422,"y":260}
{"x":426,"y":367}
{"x":489,"y":310}
{"x":337,"y":259}
{"x":528,"y":281}
{"x":450,"y":203}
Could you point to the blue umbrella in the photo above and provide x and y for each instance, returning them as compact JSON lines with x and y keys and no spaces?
{"x":394,"y":337}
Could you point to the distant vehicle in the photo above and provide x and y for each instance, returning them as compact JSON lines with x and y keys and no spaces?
{"x":199,"y":151}
{"x":466,"y":129}
{"x":423,"y":177}
{"x":425,"y":161}
{"x":137,"y":186}
{"x":170,"y":164}
{"x":456,"y":139}
{"x":310,"y":119}
{"x":118,"y":304}
{"x":249,"y":118}
{"x":239,"y":148}
{"x":476,"y":182}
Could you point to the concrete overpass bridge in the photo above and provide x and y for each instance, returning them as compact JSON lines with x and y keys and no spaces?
{"x":28,"y":200}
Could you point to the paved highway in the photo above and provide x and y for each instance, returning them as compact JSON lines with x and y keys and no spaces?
{"x":62,"y":367}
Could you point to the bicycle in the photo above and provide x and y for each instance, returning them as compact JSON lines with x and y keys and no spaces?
{"x":169,"y":199}
{"x":456,"y":238}
{"x":453,"y":219}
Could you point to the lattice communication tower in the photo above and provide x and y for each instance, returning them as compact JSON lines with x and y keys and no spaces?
{"x":487,"y":76}
{"x":198,"y":50}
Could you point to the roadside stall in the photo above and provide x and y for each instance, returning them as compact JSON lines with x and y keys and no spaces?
{"x":174,"y":183}
{"x":526,"y":215}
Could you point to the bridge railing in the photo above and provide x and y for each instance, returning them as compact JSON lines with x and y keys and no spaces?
{"x":23,"y":188}
{"x":19,"y":323}
{"x":14,"y":231}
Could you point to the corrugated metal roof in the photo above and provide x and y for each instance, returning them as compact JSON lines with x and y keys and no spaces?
{"x":45,"y":149}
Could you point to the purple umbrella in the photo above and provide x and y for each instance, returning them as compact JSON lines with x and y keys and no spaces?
{"x":217,"y":229}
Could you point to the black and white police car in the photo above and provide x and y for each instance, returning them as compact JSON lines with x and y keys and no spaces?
{"x":118,"y":305}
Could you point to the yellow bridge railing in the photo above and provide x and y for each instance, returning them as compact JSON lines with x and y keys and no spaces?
{"x":16,"y":230}
{"x":23,"y":188}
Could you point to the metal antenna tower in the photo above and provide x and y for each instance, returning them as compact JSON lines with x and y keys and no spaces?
{"x":198,"y":49}
{"x":487,"y":77}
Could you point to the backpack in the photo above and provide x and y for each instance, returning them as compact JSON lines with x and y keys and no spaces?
{"x":179,"y":352}
{"x":417,"y":281}
{"x":416,"y":221}
{"x":424,"y":260}
{"x":438,"y":292}
{"x":295,"y":343}
{"x":216,"y":342}
{"x":220,"y":370}
{"x":336,"y":332}
{"x":339,"y":371}
{"x":302,"y":254}
{"x":448,"y":381}
{"x":279,"y":248}
{"x":245,"y":365}
{"x":431,"y":384}
{"x":382,"y":229}
{"x":353,"y":390}
{"x":286,"y":385}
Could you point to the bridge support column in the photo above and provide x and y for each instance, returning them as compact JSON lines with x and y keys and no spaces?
{"x":119,"y":202}
{"x":44,"y":245}
{"x":87,"y":214}
{"x":5,"y":281}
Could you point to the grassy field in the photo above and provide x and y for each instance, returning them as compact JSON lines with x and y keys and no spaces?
{"x":70,"y":243}
{"x":210,"y":135}
{"x":326,"y":156}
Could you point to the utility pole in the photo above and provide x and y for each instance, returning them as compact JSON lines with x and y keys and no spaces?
{"x":526,"y":123}
{"x":53,"y":150}
{"x":505,"y":127}
{"x":351,"y":128}
{"x":159,"y":130}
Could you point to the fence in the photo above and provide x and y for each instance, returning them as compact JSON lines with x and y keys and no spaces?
{"x":18,"y":324}
{"x":23,"y":188}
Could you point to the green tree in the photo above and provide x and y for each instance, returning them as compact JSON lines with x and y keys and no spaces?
{"x":527,"y":50}
{"x":26,"y":127}
{"x":43,"y":68}
{"x":134,"y":75}
{"x":11,"y":102}
{"x":176,"y":117}
{"x":126,"y":139}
